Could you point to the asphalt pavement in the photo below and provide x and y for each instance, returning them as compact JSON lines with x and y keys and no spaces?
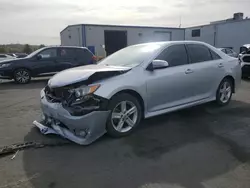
{"x":200,"y":147}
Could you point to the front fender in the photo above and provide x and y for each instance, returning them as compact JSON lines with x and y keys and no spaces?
{"x":132,"y":80}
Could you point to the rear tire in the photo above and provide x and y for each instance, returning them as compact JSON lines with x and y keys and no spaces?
{"x":224,"y":92}
{"x":125,"y":115}
{"x":22,"y":76}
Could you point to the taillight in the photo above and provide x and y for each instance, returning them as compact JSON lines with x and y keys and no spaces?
{"x":94,"y":58}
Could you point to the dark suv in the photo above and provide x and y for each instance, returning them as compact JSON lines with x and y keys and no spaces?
{"x":45,"y":62}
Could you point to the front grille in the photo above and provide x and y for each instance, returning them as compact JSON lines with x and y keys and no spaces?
{"x":61,"y":93}
{"x":57,"y":94}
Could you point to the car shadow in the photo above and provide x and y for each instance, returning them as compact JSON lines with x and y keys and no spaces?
{"x":183,"y":148}
{"x":33,"y":84}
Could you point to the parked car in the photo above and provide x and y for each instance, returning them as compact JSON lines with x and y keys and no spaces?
{"x":245,"y":60}
{"x":20,"y":55}
{"x":139,"y":81}
{"x":229,"y":52}
{"x":5,"y":56}
{"x":11,"y":54}
{"x":45,"y":62}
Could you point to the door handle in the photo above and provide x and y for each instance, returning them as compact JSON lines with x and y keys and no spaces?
{"x":220,"y":65}
{"x":189,"y":71}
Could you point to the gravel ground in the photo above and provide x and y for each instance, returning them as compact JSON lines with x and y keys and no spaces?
{"x":201,"y":147}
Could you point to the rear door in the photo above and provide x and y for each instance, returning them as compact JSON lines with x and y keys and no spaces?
{"x":46,"y":62}
{"x":207,"y":70}
{"x":66,"y":59}
{"x":73,"y":57}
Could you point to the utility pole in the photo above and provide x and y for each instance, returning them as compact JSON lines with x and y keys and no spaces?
{"x":180,"y":22}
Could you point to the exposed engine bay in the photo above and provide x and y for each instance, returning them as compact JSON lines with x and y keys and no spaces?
{"x":75,"y":106}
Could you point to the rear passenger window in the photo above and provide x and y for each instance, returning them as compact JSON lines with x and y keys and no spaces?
{"x":67,"y":52}
{"x":198,"y":53}
{"x":48,"y":53}
{"x":214,"y":55}
{"x":175,"y":55}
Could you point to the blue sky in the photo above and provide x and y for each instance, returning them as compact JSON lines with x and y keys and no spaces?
{"x":40,"y":21}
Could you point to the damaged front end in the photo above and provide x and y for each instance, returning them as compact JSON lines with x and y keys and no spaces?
{"x":81,"y":120}
{"x":73,"y":111}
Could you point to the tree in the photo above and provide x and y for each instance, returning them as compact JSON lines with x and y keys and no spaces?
{"x":27,"y":49}
{"x":41,"y":46}
{"x":2,"y":49}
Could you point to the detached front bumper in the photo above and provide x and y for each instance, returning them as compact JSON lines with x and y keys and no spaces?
{"x":82,"y":130}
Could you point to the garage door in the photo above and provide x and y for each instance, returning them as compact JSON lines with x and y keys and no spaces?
{"x":161,"y":36}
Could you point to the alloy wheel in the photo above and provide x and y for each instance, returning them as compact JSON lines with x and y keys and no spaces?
{"x":22,"y":76}
{"x":225,"y":92}
{"x":124,"y":116}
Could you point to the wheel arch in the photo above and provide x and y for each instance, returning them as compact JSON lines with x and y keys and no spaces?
{"x":134,"y":94}
{"x":231,"y":78}
{"x":17,"y":68}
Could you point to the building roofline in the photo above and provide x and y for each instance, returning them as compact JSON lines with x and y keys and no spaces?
{"x":69,"y":27}
{"x":155,"y":27}
{"x":220,"y":23}
{"x":128,"y":26}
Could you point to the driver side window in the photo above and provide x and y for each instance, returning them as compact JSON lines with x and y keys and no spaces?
{"x":48,"y":53}
{"x":175,"y":55}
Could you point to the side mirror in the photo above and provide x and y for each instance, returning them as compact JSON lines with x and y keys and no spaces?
{"x":157,"y":64}
{"x":38,"y":57}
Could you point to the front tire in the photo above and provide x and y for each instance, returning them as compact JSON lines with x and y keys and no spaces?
{"x":224,"y":92}
{"x":125,"y":115}
{"x":22,"y":76}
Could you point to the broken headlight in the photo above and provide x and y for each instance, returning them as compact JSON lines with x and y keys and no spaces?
{"x":85,"y":90}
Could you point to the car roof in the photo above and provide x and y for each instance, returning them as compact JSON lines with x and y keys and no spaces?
{"x":163,"y":43}
{"x":65,"y":47}
{"x":246,"y":45}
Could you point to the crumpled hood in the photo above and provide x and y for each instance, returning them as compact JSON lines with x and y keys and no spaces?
{"x":78,"y":74}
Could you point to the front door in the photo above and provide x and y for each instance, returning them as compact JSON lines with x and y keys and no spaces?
{"x":44,"y":62}
{"x":171,"y":86}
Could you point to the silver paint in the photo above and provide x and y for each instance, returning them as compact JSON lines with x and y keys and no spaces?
{"x":93,"y":123}
{"x":77,"y":74}
{"x":161,"y":91}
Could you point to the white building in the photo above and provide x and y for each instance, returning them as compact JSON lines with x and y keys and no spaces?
{"x":232,"y":33}
{"x":95,"y":37}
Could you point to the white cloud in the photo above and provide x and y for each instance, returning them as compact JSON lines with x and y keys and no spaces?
{"x":39,"y":21}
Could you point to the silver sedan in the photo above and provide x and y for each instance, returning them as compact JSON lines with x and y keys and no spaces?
{"x":140,"y":81}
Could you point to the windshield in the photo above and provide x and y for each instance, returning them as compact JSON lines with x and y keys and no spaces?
{"x":34,"y":53}
{"x":132,"y":56}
